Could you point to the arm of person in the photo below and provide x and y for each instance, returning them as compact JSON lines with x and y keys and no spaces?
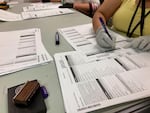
{"x":87,"y":8}
{"x":105,"y":11}
{"x":82,"y":7}
{"x":105,"y":38}
{"x":55,"y":0}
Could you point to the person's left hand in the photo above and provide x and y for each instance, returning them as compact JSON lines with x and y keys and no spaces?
{"x":141,"y":43}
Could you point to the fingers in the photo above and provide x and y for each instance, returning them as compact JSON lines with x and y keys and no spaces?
{"x":144,"y":45}
{"x":147,"y":47}
{"x":110,"y":42}
{"x":139,"y":43}
{"x":105,"y":41}
{"x":136,"y":43}
{"x":101,"y":42}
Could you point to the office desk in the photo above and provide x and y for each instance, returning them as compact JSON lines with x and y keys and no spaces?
{"x":46,"y":74}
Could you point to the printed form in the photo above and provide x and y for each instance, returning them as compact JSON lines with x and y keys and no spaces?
{"x":21,"y":49}
{"x":90,"y":85}
{"x":82,"y":38}
{"x":9,"y":16}
{"x":45,"y":13}
{"x":41,"y":6}
{"x":38,"y":10}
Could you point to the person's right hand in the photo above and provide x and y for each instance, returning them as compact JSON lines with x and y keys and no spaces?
{"x":104,"y":40}
{"x":67,"y":5}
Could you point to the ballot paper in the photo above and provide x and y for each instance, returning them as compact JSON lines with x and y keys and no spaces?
{"x":9,"y":16}
{"x":41,"y":6}
{"x":45,"y":13}
{"x":21,"y":49}
{"x":38,"y":10}
{"x":87,"y":86}
{"x":82,"y":38}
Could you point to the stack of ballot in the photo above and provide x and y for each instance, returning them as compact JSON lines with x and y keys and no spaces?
{"x":37,"y":10}
{"x":21,"y":49}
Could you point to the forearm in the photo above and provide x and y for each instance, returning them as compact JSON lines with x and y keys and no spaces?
{"x":81,"y":6}
{"x":86,"y":8}
{"x":105,"y":11}
{"x":95,"y":20}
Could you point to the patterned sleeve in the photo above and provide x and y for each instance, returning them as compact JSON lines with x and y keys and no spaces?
{"x":94,"y":7}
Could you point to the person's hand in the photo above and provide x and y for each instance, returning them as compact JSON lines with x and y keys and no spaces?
{"x":141,"y":43}
{"x":67,"y":5}
{"x":104,"y":40}
{"x":3,"y":5}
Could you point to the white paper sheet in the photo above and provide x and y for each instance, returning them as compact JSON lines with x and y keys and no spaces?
{"x":21,"y":49}
{"x":9,"y":16}
{"x":89,"y":86}
{"x":45,"y":13}
{"x":82,"y":38}
{"x":37,"y":13}
{"x":41,"y":6}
